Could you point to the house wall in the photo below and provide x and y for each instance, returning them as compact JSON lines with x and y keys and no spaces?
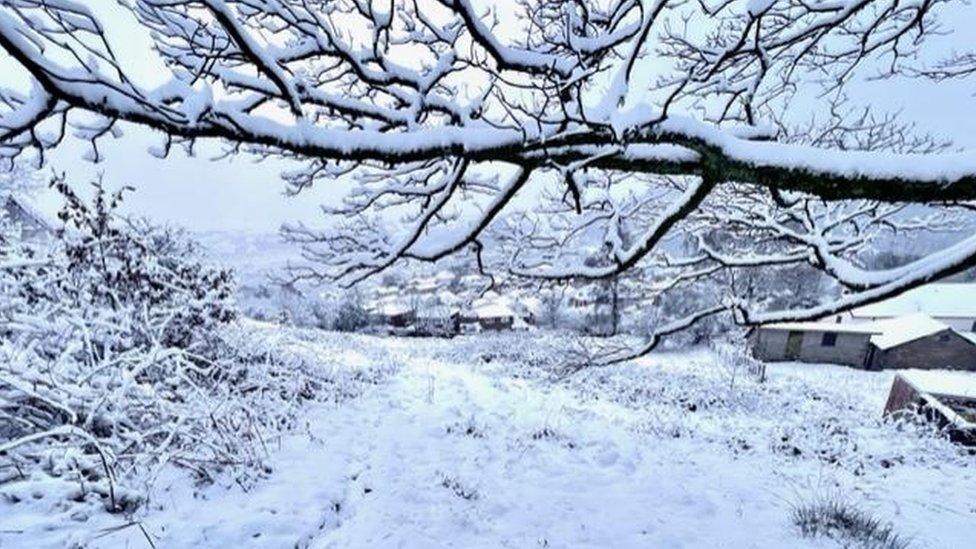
{"x":851,"y":348}
{"x":769,"y":345}
{"x":496,"y":323}
{"x":929,"y":352}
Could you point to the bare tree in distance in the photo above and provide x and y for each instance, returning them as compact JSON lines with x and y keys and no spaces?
{"x":437,"y":119}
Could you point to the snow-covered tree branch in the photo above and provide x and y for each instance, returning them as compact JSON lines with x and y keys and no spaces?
{"x":614,"y":122}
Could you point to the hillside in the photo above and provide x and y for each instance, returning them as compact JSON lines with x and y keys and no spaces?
{"x":473,"y":443}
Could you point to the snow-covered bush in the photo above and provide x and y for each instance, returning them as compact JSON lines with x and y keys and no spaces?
{"x":735,"y":361}
{"x":117,"y":358}
{"x":834,"y":518}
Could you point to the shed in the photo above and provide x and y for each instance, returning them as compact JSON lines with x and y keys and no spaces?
{"x":946,"y":398}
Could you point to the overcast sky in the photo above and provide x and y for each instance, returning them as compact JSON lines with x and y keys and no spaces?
{"x":239,"y":194}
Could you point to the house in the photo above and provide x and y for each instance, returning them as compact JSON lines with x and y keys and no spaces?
{"x":382,"y":292}
{"x":814,"y":342}
{"x":946,"y":398}
{"x":21,"y":212}
{"x":444,"y":278}
{"x":427,"y":285}
{"x":920,"y":341}
{"x":495,"y":316}
{"x":583,"y":297}
{"x":911,"y":341}
{"x":953,"y":304}
{"x":391,"y":313}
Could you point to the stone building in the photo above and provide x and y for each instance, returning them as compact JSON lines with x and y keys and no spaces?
{"x":921,"y":342}
{"x":814,"y":342}
{"x":912,"y":341}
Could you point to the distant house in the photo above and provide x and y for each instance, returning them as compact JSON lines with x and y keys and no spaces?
{"x":382,"y":292}
{"x":32,"y":224}
{"x":391,"y":313}
{"x":583,"y":297}
{"x":495,"y":316}
{"x":946,"y":398}
{"x":919,"y":341}
{"x":444,"y":278}
{"x":912,"y":341}
{"x":427,"y":285}
{"x":814,"y":342}
{"x":953,"y":304}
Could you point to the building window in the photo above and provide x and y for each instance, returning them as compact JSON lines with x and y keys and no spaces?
{"x":944,"y":337}
{"x":829,"y":339}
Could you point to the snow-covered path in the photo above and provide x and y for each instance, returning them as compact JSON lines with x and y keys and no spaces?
{"x":450,"y":456}
{"x":445,"y":455}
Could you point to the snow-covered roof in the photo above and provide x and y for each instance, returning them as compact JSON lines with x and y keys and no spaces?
{"x":942,"y":382}
{"x":437,"y":312}
{"x":393,"y":308}
{"x":885,"y":334}
{"x":494,"y":310}
{"x":530,"y":304}
{"x":448,"y":297}
{"x":854,"y":328}
{"x":950,"y":300}
{"x":29,"y":209}
{"x":473,"y":279}
{"x":444,"y":276}
{"x":425,"y":280}
{"x":897,"y":331}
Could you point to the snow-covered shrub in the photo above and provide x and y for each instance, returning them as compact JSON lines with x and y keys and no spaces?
{"x":735,"y":361}
{"x":834,"y":518}
{"x":116,"y":359}
{"x":350,"y":314}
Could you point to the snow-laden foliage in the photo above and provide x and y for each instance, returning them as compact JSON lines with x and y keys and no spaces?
{"x":591,"y":137}
{"x":119,"y":356}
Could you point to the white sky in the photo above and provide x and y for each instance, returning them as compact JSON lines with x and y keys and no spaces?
{"x":239,"y":194}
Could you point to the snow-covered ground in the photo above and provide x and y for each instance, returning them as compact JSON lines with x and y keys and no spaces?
{"x":470,"y":443}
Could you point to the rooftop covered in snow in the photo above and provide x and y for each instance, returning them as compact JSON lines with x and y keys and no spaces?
{"x":949,"y":300}
{"x":897,"y":331}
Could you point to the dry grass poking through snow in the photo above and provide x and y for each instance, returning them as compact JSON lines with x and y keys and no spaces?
{"x":833,"y":518}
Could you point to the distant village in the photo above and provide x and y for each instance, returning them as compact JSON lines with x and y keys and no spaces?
{"x":446,"y":304}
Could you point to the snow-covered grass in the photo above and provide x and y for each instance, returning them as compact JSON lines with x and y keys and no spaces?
{"x":473,"y":442}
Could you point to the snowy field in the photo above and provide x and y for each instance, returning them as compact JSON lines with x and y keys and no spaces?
{"x":472,"y":443}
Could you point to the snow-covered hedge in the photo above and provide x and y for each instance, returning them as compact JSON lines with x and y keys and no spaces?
{"x":118,"y":357}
